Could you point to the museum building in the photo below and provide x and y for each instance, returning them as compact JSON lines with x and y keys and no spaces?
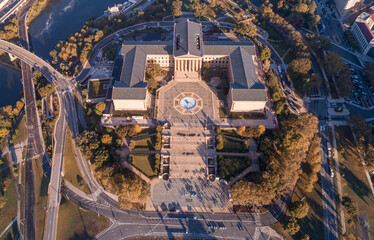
{"x":185,"y":56}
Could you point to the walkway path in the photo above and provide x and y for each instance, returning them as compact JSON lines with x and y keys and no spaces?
{"x":6,"y":229}
{"x":125,"y":164}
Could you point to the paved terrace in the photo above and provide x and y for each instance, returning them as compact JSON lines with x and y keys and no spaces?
{"x":188,"y":174}
{"x":168,"y":94}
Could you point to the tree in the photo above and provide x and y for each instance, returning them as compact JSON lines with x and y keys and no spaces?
{"x":265,"y":53}
{"x":291,"y":226}
{"x":219,"y":142}
{"x":349,"y":205}
{"x":47,"y":90}
{"x":53,"y":53}
{"x":333,"y":63}
{"x":300,"y":66}
{"x":158,"y":142}
{"x":244,"y":29}
{"x":134,"y":130}
{"x":344,"y":83}
{"x":176,"y":6}
{"x":199,"y":9}
{"x":106,"y":139}
{"x":159,"y":128}
{"x":132,"y":145}
{"x":299,"y":209}
{"x":218,"y":130}
{"x":133,"y":189}
{"x":99,"y":108}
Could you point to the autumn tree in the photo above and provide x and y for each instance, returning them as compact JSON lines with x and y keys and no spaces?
{"x":106,"y":139}
{"x":133,"y":190}
{"x":99,"y":108}
{"x":176,"y":5}
{"x":299,"y":209}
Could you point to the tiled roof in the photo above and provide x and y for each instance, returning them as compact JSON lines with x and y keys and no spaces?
{"x":188,"y":39}
{"x":364,"y":28}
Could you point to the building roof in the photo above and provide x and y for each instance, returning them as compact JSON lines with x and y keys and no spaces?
{"x":133,"y":67}
{"x":188,"y":39}
{"x":134,"y":93}
{"x":150,"y":47}
{"x":243,"y":69}
{"x":364,"y":28}
{"x":248,"y":94}
{"x":227,"y":47}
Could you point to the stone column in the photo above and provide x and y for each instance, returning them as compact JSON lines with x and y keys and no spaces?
{"x":185,"y":65}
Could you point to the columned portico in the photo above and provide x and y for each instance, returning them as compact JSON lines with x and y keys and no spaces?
{"x":188,"y":65}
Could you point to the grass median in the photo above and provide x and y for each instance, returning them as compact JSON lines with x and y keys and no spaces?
{"x":8,"y":193}
{"x":75,"y":222}
{"x":71,"y":170}
{"x":354,"y":181}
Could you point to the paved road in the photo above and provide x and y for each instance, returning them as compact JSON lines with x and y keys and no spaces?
{"x":319,"y":108}
{"x":10,"y":9}
{"x":35,"y":142}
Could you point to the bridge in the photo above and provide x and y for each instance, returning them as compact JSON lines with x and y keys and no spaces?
{"x":13,"y":8}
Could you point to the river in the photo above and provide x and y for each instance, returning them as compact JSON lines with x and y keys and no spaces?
{"x":62,"y":19}
{"x":11,"y":85}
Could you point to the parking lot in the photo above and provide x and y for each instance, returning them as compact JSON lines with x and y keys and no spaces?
{"x":362,"y":93}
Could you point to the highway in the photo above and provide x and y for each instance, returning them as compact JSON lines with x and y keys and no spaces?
{"x":66,"y":106}
{"x":35,"y":144}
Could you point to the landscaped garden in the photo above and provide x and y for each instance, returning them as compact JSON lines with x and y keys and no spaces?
{"x":148,"y":164}
{"x":231,"y":166}
{"x":224,"y":144}
{"x":98,"y":88}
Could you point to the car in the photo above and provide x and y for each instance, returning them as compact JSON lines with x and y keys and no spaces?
{"x":331,"y":173}
{"x":193,"y":194}
{"x":194,"y":217}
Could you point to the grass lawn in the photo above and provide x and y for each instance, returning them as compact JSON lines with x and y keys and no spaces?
{"x":41,"y":198}
{"x":71,"y":170}
{"x":234,"y":146}
{"x":230,"y":132}
{"x":12,"y":232}
{"x":145,"y":144}
{"x":9,"y":211}
{"x":312,"y":224}
{"x":146,"y":131}
{"x":231,"y":166}
{"x":289,"y":57}
{"x":144,"y":163}
{"x":77,"y":223}
{"x":20,"y":133}
{"x":96,"y":88}
{"x":354,"y":181}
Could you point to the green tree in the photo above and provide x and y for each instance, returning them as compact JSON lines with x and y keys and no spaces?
{"x":349,"y":205}
{"x":300,"y":66}
{"x":291,"y":226}
{"x":344,"y":83}
{"x":333,"y":64}
{"x":299,"y":209}
{"x":244,"y":29}
{"x":265,"y":53}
